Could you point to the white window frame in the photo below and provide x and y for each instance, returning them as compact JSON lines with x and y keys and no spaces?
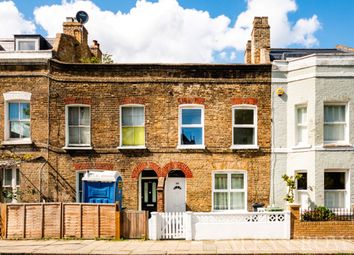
{"x":77,"y":184}
{"x":255,"y":126}
{"x":346,"y":124}
{"x":15,"y":187}
{"x":76,"y":146}
{"x":229,"y":190}
{"x":121,"y":146}
{"x":15,"y":97}
{"x":301,"y":125}
{"x":347,"y":185}
{"x":35,"y":40}
{"x":302,"y":191}
{"x":180,"y":126}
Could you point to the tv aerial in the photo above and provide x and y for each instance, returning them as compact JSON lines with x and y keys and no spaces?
{"x":82,"y":17}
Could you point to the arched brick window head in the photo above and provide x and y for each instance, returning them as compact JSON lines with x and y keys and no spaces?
{"x":146,"y":165}
{"x":177,"y":165}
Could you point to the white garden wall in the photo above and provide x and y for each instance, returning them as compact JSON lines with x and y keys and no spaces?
{"x":221,"y":226}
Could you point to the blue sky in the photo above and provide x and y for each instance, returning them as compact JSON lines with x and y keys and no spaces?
{"x":295,"y":23}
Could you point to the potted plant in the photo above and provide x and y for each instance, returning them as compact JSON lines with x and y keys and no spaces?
{"x":291,"y":185}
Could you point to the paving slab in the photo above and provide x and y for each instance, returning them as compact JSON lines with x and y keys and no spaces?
{"x":177,"y":247}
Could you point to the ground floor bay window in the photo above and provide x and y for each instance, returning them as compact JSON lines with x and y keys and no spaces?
{"x":335,"y":188}
{"x":230,"y":191}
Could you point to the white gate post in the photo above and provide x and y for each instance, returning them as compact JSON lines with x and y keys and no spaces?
{"x":287,"y":223}
{"x":188,"y":225}
{"x":154,"y":233}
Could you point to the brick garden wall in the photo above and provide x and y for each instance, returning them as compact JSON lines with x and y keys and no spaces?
{"x":319,"y":229}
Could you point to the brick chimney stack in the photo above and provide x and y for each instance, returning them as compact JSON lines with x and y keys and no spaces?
{"x":248,"y":52}
{"x":258,"y":50}
{"x":95,"y":50}
{"x":75,"y":29}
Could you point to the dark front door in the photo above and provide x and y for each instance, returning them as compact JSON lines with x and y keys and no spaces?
{"x":149,"y":195}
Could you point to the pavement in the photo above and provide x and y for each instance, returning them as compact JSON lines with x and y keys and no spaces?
{"x":83,"y":247}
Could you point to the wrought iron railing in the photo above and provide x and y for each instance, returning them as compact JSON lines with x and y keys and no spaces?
{"x":327,"y":214}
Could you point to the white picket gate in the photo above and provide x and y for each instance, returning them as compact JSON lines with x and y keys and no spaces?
{"x":172,"y":225}
{"x":219,"y":226}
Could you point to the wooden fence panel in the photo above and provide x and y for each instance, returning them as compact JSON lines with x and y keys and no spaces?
{"x":33,"y":222}
{"x":57,"y":220}
{"x":52,"y":220}
{"x":107,"y":221}
{"x":134,"y":224}
{"x":72,"y":218}
{"x":15,"y":221}
{"x":89,"y":221}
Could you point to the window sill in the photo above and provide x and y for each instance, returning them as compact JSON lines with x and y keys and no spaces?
{"x":17,"y":142}
{"x":337,"y":145}
{"x":301,"y":147}
{"x":244,"y":147}
{"x":131,"y":148}
{"x":78,"y":148}
{"x":191,"y":147}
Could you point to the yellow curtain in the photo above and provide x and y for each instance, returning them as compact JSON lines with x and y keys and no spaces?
{"x":133,"y":136}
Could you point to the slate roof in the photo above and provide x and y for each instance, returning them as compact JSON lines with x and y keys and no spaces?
{"x":285,"y":53}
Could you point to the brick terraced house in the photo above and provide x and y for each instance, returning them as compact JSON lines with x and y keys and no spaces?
{"x":183,"y":137}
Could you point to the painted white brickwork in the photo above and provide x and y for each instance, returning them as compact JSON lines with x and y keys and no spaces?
{"x":313,"y":81}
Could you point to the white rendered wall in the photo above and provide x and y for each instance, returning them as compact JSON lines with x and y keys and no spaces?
{"x":311,"y":80}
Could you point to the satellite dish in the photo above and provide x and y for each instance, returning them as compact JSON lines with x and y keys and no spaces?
{"x":82,"y":17}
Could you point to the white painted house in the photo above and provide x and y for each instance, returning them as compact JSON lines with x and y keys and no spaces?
{"x":313,"y":125}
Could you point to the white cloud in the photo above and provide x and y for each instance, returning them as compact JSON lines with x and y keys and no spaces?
{"x":150,"y":32}
{"x":283,"y":33}
{"x":12,"y":21}
{"x":164,"y":31}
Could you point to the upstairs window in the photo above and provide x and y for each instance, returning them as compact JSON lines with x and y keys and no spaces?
{"x":17,"y":117}
{"x":27,"y":42}
{"x":19,"y":120}
{"x":78,"y":126}
{"x":191,"y":127}
{"x":301,"y":125}
{"x":26,"y":45}
{"x":335,"y":124}
{"x":132,"y":126}
{"x":244,"y":127}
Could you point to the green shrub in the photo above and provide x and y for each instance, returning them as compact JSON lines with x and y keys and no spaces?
{"x":320,"y":213}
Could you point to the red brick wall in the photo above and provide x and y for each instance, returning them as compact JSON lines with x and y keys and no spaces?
{"x":319,"y":229}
